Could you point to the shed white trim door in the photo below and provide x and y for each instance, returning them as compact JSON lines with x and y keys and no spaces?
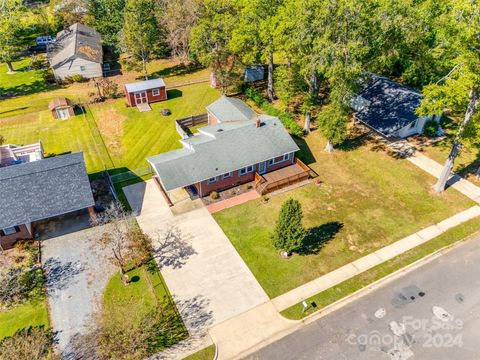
{"x":62,"y":114}
{"x":140,"y":97}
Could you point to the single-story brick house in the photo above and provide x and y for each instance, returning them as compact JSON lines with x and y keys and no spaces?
{"x":61,"y":108}
{"x":389,"y":108}
{"x":145,"y":92}
{"x":41,"y":189}
{"x":229,"y":153}
{"x":77,"y":51}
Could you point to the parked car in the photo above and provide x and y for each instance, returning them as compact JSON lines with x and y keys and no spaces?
{"x":44,"y":40}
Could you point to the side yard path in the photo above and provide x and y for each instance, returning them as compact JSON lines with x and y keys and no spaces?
{"x":77,"y":273}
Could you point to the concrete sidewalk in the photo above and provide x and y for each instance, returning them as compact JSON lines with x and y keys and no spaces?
{"x":356,"y":267}
{"x":434,"y":168}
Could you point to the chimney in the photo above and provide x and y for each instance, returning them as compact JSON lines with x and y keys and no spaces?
{"x":257,"y":122}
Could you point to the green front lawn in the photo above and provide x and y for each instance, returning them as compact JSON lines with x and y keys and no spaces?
{"x":367,"y":200}
{"x":145,"y":293}
{"x":349,"y":286}
{"x":31,"y":314}
{"x":125,"y":134}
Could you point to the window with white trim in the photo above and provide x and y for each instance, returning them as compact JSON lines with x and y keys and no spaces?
{"x":227,"y":175}
{"x":246,"y":170}
{"x":10,"y":230}
{"x":212,"y":180}
{"x":274,"y":161}
{"x":156,"y":92}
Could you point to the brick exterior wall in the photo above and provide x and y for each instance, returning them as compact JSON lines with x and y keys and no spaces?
{"x":204,"y":189}
{"x":8,"y":241}
{"x":150,"y":97}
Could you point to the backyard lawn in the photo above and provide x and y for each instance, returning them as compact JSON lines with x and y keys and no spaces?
{"x":367,"y":200}
{"x":129,"y":136}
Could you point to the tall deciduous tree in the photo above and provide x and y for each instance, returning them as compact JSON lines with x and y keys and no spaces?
{"x":211,"y":37}
{"x":254,"y":35}
{"x":178,"y":17}
{"x":458,"y":32}
{"x":141,"y":37}
{"x":106,"y":16}
{"x":10,"y":27}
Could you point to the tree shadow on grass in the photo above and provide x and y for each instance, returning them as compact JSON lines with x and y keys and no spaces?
{"x":28,"y":89}
{"x":318,"y":236}
{"x":305,"y":154}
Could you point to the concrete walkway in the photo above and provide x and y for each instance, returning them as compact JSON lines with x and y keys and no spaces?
{"x":356,"y":267}
{"x":434,"y":168}
{"x":236,"y":200}
{"x":206,"y":276}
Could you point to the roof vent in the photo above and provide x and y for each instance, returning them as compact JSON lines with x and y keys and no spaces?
{"x":219,"y":130}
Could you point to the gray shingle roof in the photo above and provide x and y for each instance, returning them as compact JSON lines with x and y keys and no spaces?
{"x":77,"y":41}
{"x":43,"y":189}
{"x":144,"y":85}
{"x":222,"y":148}
{"x":231,"y":109}
{"x":254,"y":73}
{"x":390,"y":105}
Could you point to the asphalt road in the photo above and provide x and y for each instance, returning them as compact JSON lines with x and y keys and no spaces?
{"x":432,"y":312}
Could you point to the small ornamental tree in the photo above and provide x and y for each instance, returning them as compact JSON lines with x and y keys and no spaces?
{"x":289,"y":232}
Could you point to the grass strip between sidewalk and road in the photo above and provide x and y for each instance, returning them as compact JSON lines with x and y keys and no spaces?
{"x":205,"y":354}
{"x":378,"y":272}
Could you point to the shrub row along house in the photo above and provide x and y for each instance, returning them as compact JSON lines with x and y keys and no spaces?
{"x":238,"y":146}
{"x":77,"y":51}
{"x":35,"y":188}
{"x":389,"y":108}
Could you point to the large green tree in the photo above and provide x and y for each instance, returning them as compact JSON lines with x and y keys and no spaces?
{"x":211,"y":39}
{"x":10,"y":28}
{"x":141,"y":38}
{"x":106,"y":16}
{"x":254,"y":35}
{"x":289,"y":232}
{"x":458,"y":40}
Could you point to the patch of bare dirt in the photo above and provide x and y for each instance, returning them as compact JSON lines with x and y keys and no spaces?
{"x":110,"y":125}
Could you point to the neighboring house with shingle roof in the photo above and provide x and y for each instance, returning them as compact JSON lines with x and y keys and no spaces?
{"x":41,"y":189}
{"x":232,"y":151}
{"x":389,"y":108}
{"x":76,"y":51}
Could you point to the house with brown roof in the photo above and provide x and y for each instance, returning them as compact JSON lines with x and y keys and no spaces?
{"x":61,"y":108}
{"x":77,"y":51}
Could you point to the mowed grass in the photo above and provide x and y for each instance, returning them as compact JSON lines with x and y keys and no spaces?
{"x":125,"y":134}
{"x":374,"y":198}
{"x":205,"y":354}
{"x":30,"y":314}
{"x":349,"y":286}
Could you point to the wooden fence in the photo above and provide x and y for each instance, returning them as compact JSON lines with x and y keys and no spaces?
{"x":183,"y":125}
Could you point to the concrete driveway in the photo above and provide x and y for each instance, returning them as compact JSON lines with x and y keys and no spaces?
{"x":77,"y":272}
{"x":209,"y":281}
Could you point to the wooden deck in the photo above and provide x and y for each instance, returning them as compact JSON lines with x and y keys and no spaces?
{"x":282,"y":177}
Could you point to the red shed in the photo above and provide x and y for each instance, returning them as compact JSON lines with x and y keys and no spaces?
{"x":147,"y":91}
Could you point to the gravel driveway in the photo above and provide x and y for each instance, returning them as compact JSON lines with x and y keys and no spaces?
{"x":77,"y":272}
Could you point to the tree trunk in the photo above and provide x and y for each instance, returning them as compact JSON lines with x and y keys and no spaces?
{"x":144,"y":67}
{"x":270,"y":78}
{"x":477,"y":174}
{"x":308,"y":120}
{"x":447,"y":168}
{"x":11,"y":70}
{"x":329,"y":147}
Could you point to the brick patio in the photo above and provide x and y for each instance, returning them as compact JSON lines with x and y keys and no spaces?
{"x":236,"y":200}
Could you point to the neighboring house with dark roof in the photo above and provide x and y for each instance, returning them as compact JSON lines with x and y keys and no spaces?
{"x":145,"y":92}
{"x":389,"y":108}
{"x":239,"y":147}
{"x":42,"y":189}
{"x":77,"y":51}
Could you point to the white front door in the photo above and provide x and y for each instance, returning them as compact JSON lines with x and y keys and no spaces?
{"x":262,"y":167}
{"x":140,"y":97}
